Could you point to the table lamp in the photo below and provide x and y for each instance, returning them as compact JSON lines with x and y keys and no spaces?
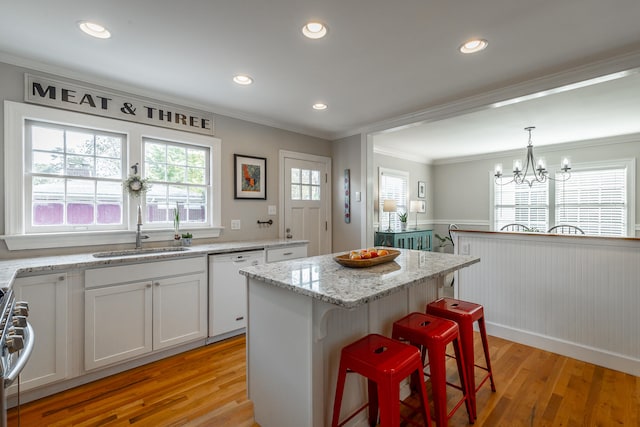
{"x":389,"y":205}
{"x":417,"y":206}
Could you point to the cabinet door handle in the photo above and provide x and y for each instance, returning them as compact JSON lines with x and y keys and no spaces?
{"x":157,"y":283}
{"x":148,"y":285}
{"x":239,"y":318}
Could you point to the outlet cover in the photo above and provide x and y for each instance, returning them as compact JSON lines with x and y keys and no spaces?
{"x":235,"y":224}
{"x":272,"y":210}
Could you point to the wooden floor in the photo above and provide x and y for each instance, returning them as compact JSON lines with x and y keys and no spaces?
{"x":206,"y":387}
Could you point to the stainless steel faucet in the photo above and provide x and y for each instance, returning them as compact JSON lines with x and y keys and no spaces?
{"x":139,"y":236}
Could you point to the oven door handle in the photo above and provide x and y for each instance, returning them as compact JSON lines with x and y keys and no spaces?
{"x":23,"y":357}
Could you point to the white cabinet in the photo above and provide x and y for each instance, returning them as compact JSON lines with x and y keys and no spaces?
{"x":118,"y":323}
{"x":228,"y":292}
{"x":47,"y":298}
{"x":179,"y":310}
{"x":288,"y":252}
{"x":135,"y":309}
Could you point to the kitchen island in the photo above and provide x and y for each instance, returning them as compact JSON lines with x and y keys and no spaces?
{"x":302,"y":312}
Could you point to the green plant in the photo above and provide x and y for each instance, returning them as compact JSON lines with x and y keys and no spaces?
{"x":187,"y":235}
{"x":176,"y":219}
{"x":444,"y":241}
{"x":403,"y":216}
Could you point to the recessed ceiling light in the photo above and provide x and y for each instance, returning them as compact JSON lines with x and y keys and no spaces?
{"x":320,"y":106}
{"x":243,"y":79}
{"x":473,"y":46}
{"x":314,"y":30}
{"x":94,"y":30}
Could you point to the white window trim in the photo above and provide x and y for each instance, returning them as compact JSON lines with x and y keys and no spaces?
{"x":629,"y":164}
{"x":16,"y":113}
{"x":396,"y":172}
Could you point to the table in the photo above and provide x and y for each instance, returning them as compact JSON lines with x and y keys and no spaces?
{"x":407,"y":239}
{"x":302,"y":312}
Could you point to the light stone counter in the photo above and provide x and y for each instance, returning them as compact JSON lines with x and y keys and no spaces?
{"x":10,"y":269}
{"x":303,"y":312}
{"x":321,"y":277}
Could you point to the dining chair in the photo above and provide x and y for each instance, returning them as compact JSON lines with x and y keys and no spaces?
{"x":515,"y":227}
{"x":565,"y":229}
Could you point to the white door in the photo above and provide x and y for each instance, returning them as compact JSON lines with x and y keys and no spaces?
{"x":307,"y":201}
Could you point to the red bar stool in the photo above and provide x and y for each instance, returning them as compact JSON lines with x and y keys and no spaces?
{"x":434,"y":334}
{"x":464,"y":314}
{"x":385,"y":363}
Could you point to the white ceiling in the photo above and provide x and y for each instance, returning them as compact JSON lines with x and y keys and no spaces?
{"x":381,"y":60}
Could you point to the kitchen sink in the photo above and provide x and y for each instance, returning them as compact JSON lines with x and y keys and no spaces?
{"x":131,"y":252}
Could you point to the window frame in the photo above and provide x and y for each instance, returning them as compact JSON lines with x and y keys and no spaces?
{"x":16,"y":238}
{"x":393,"y":220}
{"x":628,"y":163}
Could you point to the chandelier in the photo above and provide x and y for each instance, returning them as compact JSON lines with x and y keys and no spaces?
{"x":538,"y":171}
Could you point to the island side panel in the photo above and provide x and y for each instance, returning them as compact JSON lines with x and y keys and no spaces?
{"x":340,"y":327}
{"x":279,"y":359}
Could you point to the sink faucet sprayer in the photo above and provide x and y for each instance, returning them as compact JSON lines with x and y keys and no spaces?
{"x":139,"y":236}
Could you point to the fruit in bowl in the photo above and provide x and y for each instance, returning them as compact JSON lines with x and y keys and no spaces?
{"x":367,"y":253}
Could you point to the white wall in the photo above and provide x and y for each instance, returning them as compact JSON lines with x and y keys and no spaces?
{"x":238,"y":137}
{"x":462,"y":186}
{"x":346,"y":154}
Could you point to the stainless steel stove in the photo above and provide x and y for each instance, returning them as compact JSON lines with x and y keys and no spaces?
{"x":16,"y":344}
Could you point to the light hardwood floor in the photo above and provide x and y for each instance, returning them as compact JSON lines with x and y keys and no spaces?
{"x":207,"y":387}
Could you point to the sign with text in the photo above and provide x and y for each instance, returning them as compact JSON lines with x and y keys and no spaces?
{"x":70,"y":96}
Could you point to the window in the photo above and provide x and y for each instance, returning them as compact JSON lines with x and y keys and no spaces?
{"x":598,"y":198}
{"x":179,"y":176}
{"x":595,"y":201}
{"x":305,"y":184}
{"x":74,"y":178}
{"x":392,"y":185}
{"x":67,"y":171}
{"x":521,"y":204}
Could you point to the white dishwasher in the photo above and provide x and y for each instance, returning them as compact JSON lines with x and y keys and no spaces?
{"x":228,"y":293}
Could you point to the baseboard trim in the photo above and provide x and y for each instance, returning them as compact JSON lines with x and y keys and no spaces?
{"x":596,"y":356}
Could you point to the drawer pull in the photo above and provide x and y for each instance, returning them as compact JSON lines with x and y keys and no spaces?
{"x":287,"y":253}
{"x":239,"y":318}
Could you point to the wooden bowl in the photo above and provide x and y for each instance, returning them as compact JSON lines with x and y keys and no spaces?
{"x":361,"y":263}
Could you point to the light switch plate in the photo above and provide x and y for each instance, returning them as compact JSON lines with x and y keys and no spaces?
{"x":358,"y":197}
{"x":235,"y":224}
{"x":272,"y":210}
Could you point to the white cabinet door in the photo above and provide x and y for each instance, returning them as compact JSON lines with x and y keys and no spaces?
{"x":179,"y":310}
{"x":118,"y":323}
{"x":47,"y":298}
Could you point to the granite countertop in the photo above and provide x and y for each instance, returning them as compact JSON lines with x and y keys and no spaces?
{"x":321,"y":277}
{"x":10,"y":269}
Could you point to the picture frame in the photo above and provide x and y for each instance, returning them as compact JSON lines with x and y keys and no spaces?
{"x":250,"y":177}
{"x":422,"y":189}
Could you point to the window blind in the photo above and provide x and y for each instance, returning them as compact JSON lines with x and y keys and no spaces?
{"x":595,"y":201}
{"x":519,"y":203}
{"x":392,"y":185}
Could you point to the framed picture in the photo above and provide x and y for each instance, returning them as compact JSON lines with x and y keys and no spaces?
{"x":250,"y":177}
{"x":422,"y":189}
